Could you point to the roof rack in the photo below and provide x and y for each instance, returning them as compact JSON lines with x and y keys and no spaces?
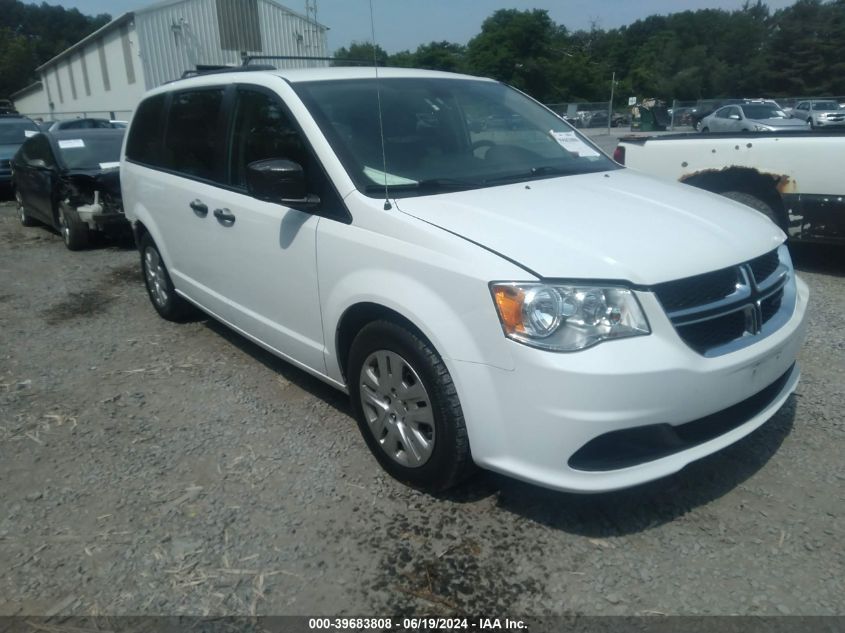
{"x":361,"y":62}
{"x":246,"y":65}
{"x":207,"y":70}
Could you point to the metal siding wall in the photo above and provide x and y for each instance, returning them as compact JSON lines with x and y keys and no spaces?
{"x":239,"y":25}
{"x":284,"y":33}
{"x":166,"y":55}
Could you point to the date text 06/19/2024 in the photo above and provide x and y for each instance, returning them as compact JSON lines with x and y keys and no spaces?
{"x":415,"y":624}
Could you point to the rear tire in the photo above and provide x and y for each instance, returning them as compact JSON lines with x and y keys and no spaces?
{"x":705,"y":130}
{"x":755,"y":203}
{"x":167,"y":303}
{"x":407,"y":407}
{"x":74,"y":233}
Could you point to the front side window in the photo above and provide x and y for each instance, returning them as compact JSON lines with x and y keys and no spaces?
{"x":444,"y":134}
{"x":190,"y":143}
{"x":262,"y":130}
{"x":38,"y":148}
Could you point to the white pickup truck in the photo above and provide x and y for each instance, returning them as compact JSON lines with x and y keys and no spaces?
{"x":796,"y":179}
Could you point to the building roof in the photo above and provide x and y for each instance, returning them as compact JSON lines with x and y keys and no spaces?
{"x":118,"y":21}
{"x":25,"y":91}
{"x":129,"y":16}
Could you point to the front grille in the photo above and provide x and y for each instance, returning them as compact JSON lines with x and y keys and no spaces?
{"x":694,"y":291}
{"x":713,"y":310}
{"x":764,"y":266}
{"x":708,"y":334}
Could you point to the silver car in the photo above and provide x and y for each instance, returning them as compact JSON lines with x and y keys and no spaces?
{"x":820,"y":113}
{"x":759,"y":116}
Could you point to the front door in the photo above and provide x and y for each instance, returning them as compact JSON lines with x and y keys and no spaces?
{"x":265,"y":268}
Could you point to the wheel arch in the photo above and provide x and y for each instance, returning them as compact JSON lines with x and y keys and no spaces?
{"x":358,"y":316}
{"x":764,"y":186}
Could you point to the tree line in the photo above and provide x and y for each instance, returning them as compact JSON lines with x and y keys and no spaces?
{"x":32,"y":34}
{"x":708,"y":53}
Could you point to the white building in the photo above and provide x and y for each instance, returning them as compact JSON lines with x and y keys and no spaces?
{"x":106,"y":73}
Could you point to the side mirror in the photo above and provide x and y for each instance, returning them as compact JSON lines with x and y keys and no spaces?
{"x":279,"y":180}
{"x":39,"y":164}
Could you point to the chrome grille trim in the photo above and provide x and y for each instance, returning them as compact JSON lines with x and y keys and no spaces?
{"x":776,"y":290}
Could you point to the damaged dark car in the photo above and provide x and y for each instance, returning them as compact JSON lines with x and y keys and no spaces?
{"x":70,"y":181}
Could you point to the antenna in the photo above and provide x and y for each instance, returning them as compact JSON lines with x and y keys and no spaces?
{"x":387,"y":205}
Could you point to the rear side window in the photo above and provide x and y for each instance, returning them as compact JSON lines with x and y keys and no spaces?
{"x":144,"y":144}
{"x":190,"y":142}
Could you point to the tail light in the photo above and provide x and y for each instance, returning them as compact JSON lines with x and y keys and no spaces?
{"x":619,"y":154}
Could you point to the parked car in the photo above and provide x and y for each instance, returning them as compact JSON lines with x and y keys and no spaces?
{"x":793,"y":179}
{"x":14,"y":130}
{"x":7,"y":107}
{"x":523,"y":303}
{"x":756,"y":116}
{"x":819,"y":113}
{"x":69,"y":180}
{"x":698,"y":112}
{"x":81,"y":124}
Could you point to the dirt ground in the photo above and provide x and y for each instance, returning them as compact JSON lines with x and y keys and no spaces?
{"x":154,"y":468}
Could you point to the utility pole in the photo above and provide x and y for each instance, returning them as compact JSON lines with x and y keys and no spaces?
{"x":610,"y":105}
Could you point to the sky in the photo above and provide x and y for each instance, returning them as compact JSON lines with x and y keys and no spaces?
{"x":405,"y":24}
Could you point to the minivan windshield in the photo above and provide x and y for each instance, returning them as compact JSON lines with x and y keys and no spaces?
{"x":444,"y":134}
{"x":825,"y":105}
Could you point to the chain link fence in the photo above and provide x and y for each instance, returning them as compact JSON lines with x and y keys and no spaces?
{"x":682,"y":115}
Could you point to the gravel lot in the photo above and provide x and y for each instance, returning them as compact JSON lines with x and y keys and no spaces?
{"x":148,"y":467}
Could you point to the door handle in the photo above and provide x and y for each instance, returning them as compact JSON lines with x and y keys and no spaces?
{"x":200,"y":209}
{"x":224,"y":216}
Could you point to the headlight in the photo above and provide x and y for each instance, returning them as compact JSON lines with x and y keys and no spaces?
{"x":567,"y":318}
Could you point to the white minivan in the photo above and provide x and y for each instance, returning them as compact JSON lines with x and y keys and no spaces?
{"x":487,"y":285}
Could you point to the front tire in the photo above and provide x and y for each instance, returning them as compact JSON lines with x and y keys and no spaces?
{"x":407,"y":407}
{"x":167,"y":303}
{"x":23,"y":216}
{"x":755,"y":203}
{"x":75,"y":233}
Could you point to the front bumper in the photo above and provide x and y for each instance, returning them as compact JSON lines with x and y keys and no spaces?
{"x":828,"y":123}
{"x":528,"y":423}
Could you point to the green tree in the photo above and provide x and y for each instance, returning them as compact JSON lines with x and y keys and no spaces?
{"x":517,"y":47}
{"x":361,"y":51}
{"x":32,"y":34}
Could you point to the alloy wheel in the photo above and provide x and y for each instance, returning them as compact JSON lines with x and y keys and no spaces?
{"x":397,"y":408}
{"x":64,"y":227}
{"x":155,"y":275}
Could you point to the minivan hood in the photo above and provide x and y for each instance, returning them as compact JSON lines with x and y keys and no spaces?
{"x":616,"y":225}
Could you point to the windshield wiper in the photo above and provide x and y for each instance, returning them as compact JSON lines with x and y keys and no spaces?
{"x":543,"y":170}
{"x":436,"y":184}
